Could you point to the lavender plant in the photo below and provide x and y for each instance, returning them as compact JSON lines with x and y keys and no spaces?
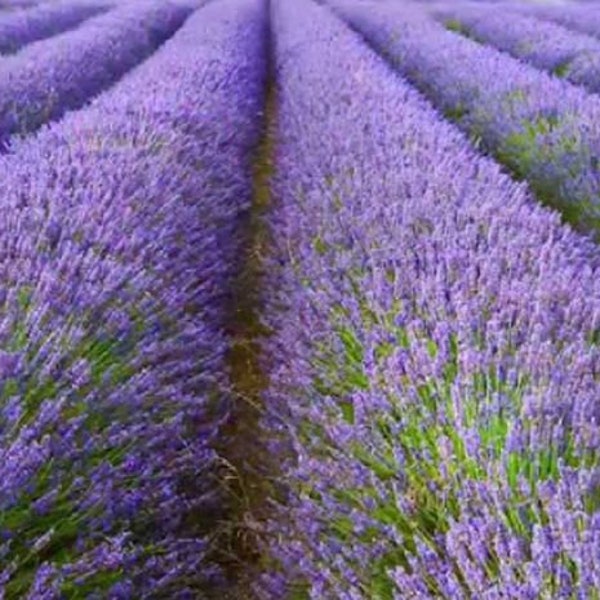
{"x":435,"y":386}
{"x":117,"y":254}
{"x":47,"y":78}
{"x":545,"y":45}
{"x":20,"y":28}
{"x":542,"y":127}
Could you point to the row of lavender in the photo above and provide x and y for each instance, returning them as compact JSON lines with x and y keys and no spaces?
{"x":49,"y":77}
{"x":10,"y":5}
{"x":584,"y":19}
{"x":435,"y":361}
{"x":20,"y":28}
{"x":117,"y":254}
{"x":545,"y":129}
{"x":545,"y":45}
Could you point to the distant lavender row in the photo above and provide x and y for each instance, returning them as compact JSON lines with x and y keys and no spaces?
{"x":545,"y":129}
{"x":585,"y":19}
{"x":47,"y":78}
{"x":576,"y":57}
{"x":16,"y":4}
{"x":115,"y":262}
{"x":436,"y":355}
{"x":23,"y":27}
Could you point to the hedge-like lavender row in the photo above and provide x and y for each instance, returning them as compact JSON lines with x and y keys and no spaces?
{"x":585,"y":19}
{"x":47,"y":78}
{"x":545,"y":129}
{"x":576,"y":57}
{"x":437,"y":349}
{"x":23,"y":27}
{"x":115,"y":259}
{"x":16,"y":4}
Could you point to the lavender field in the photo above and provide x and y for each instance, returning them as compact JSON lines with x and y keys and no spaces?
{"x":299,"y":300}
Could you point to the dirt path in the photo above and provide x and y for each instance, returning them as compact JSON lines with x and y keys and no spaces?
{"x":244,"y":457}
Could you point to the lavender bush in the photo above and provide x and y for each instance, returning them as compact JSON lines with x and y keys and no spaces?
{"x":545,"y":45}
{"x":47,"y":78}
{"x":543,"y":128}
{"x":436,"y":350}
{"x":20,"y":28}
{"x":117,"y":253}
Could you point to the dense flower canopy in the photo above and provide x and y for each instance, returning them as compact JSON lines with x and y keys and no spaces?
{"x":299,"y":300}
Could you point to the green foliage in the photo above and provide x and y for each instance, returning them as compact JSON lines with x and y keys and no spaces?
{"x":456,"y":26}
{"x":436,"y":460}
{"x":524,"y":152}
{"x":111,"y":362}
{"x":456,"y":113}
{"x":562,"y":69}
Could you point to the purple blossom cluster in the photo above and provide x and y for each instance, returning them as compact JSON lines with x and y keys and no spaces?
{"x":545,"y":45}
{"x":435,"y":360}
{"x":545,"y":129}
{"x":118,"y":248}
{"x":49,"y":77}
{"x":20,"y":28}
